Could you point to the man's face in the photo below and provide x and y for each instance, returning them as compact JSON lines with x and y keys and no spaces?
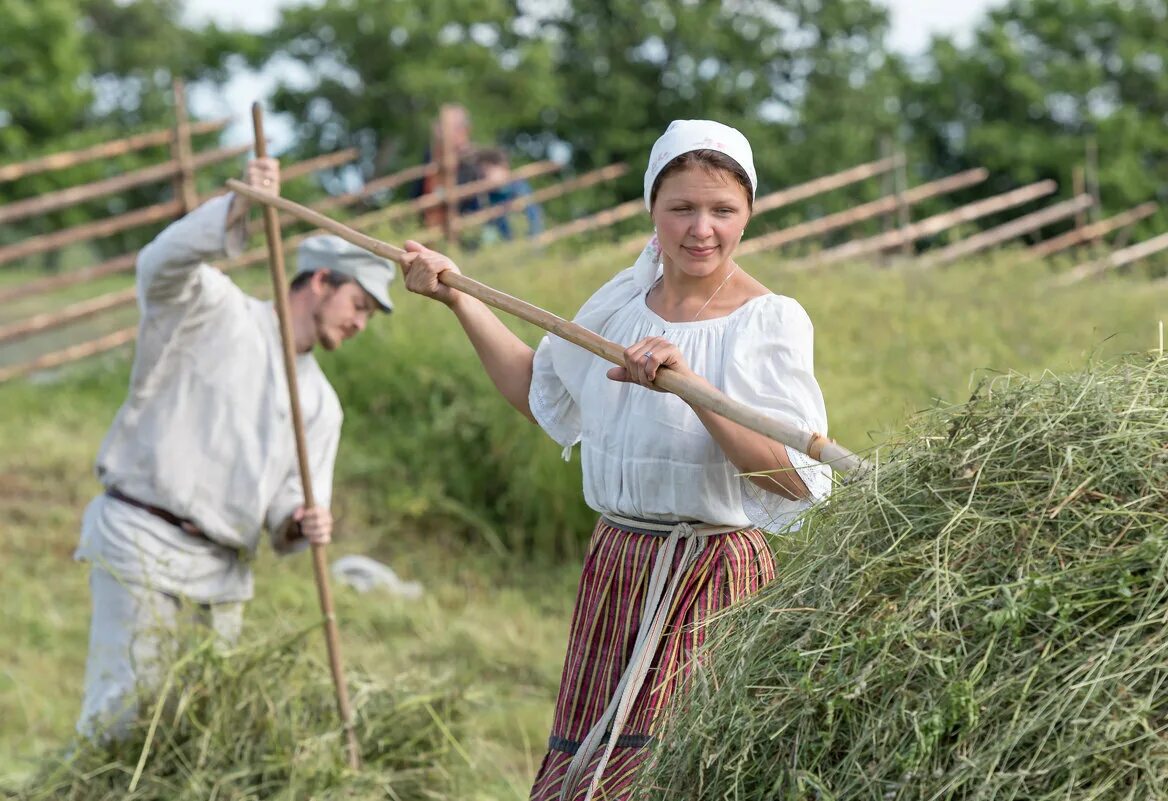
{"x":341,"y":313}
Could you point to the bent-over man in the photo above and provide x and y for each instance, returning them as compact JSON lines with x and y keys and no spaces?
{"x":201,"y":456}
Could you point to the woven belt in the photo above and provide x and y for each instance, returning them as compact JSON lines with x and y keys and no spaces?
{"x":658,"y":601}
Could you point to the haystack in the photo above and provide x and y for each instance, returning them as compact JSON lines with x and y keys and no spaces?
{"x":260,"y":722}
{"x":982,"y":616}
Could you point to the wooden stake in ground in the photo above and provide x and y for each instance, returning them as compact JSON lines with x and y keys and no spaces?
{"x":319,"y":552}
{"x":811,"y":443}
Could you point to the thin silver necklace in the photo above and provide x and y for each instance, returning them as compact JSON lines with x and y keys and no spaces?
{"x":725,"y":281}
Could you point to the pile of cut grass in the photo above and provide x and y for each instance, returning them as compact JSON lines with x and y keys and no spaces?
{"x":982,"y":616}
{"x":260,"y":722}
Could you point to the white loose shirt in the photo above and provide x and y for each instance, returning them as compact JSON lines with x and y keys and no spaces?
{"x":646,"y":454}
{"x":205,"y":431}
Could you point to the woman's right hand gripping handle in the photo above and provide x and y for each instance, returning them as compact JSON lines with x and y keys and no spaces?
{"x":422,"y":267}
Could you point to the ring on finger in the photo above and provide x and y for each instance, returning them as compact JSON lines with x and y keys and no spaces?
{"x":648,"y":355}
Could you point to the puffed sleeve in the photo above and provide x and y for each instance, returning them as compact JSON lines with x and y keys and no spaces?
{"x":551,"y":404}
{"x":561,"y":368}
{"x":770,"y":366}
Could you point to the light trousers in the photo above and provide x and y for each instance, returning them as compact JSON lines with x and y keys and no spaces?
{"x":133,"y":639}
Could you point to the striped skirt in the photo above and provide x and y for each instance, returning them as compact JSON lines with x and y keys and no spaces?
{"x":605,"y":622}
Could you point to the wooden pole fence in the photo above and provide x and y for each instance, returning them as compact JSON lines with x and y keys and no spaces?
{"x":109,"y":301}
{"x":931,"y":225}
{"x":888,"y":183}
{"x":1092,"y":231}
{"x":827,"y":183}
{"x":125,"y":262}
{"x":53,"y":201}
{"x":323,"y":162}
{"x":1007,"y":231}
{"x":865,"y":211}
{"x":1120,"y":258}
{"x":808,"y":189}
{"x":74,"y":312}
{"x":105,"y":150}
{"x":118,"y":264}
{"x":434,"y":199}
{"x":382,"y":184}
{"x":602,"y":219}
{"x":90,"y":230}
{"x":603,"y":175}
{"x":814,"y":445}
{"x":903,"y":205}
{"x":70,"y":354}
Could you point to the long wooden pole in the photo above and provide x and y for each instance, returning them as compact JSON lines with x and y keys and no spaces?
{"x":931,"y":225}
{"x":70,"y":354}
{"x":319,"y":552}
{"x":1086,"y":233}
{"x":1007,"y":231}
{"x":486,"y":215}
{"x":94,"y":229}
{"x":811,"y":443}
{"x":1120,"y":258}
{"x":64,"y":198}
{"x":125,"y":262}
{"x":118,"y":147}
{"x":864,"y":211}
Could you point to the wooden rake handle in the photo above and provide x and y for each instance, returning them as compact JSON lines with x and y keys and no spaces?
{"x":813,"y":444}
{"x":319,"y":552}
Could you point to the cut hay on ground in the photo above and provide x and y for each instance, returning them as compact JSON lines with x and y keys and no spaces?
{"x":985,"y":616}
{"x":260,"y":722}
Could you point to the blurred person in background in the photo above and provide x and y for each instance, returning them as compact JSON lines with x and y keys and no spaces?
{"x":683,"y":494}
{"x":201,"y":456}
{"x":450,"y":143}
{"x":494,"y":165}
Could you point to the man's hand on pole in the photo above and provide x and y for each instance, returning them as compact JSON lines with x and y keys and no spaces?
{"x":316,"y":524}
{"x":262,"y":174}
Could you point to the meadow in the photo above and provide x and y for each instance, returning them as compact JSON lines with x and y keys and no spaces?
{"x":437,"y":478}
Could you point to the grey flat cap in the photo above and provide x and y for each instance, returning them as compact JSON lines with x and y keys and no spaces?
{"x":328,"y":252}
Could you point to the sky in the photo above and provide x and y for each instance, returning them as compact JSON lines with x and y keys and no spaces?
{"x":914,"y":22}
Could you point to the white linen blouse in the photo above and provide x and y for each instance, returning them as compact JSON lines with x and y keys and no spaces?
{"x":646,"y":454}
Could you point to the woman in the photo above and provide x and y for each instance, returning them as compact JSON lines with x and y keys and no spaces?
{"x":680,"y":490}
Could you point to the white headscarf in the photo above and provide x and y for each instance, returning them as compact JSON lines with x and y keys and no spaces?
{"x":684,"y":136}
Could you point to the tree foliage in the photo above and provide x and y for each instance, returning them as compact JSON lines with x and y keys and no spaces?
{"x":603,"y":76}
{"x":1039,"y":80}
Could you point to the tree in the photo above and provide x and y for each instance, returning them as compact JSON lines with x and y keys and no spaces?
{"x":603,"y":76}
{"x":373,"y":73}
{"x":77,"y":73}
{"x":1040,"y":78}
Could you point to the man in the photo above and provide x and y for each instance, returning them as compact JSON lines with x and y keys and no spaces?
{"x":450,"y":135}
{"x":202,"y":456}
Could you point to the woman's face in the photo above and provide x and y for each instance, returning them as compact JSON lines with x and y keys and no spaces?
{"x":700,"y":215}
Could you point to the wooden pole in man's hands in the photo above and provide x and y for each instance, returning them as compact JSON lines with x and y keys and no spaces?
{"x":319,"y":560}
{"x":811,"y":443}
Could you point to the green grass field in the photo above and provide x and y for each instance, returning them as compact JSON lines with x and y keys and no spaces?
{"x":438,"y":479}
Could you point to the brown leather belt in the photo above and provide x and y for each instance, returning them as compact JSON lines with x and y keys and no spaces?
{"x":188,"y":526}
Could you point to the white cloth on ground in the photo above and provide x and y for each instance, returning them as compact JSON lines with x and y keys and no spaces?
{"x":364,"y":574}
{"x":646,"y":454}
{"x":205,"y":431}
{"x":131,"y":633}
